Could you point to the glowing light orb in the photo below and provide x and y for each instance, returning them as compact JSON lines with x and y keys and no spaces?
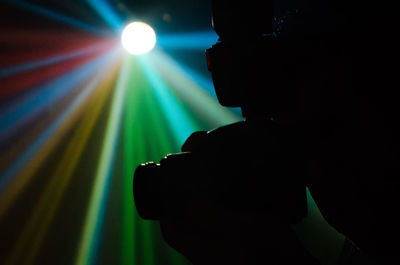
{"x":138,"y":38}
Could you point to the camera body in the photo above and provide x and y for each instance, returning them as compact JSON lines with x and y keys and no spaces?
{"x":254,"y":165}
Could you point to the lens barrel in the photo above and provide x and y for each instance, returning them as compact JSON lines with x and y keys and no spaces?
{"x":147,"y":191}
{"x":162,"y":190}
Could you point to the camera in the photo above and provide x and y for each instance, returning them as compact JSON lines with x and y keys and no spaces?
{"x":254,"y":165}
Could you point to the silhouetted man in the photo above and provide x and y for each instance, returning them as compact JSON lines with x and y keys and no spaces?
{"x":343,"y":110}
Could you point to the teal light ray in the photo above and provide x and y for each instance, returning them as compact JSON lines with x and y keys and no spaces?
{"x":104,"y":9}
{"x":180,"y":122}
{"x":190,"y":88}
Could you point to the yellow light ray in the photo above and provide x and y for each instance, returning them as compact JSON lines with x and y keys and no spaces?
{"x":9,"y":195}
{"x":34,"y":232}
{"x":93,"y":216}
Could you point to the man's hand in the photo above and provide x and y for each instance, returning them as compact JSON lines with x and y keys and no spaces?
{"x":213,"y":234}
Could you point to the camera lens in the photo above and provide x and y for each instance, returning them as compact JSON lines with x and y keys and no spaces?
{"x":147,"y":191}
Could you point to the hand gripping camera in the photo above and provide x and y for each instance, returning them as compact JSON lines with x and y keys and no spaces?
{"x":255,"y":164}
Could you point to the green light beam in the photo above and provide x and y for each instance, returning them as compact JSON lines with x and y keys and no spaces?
{"x":135,"y":153}
{"x":147,"y":137}
{"x":128,"y":215}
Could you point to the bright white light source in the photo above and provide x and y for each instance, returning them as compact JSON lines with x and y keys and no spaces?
{"x":138,"y":38}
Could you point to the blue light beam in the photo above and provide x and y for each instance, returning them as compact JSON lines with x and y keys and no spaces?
{"x":15,"y":114}
{"x":103,"y":8}
{"x":26,"y":156}
{"x":188,"y":41}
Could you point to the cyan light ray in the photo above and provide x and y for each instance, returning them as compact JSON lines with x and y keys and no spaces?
{"x":88,"y":247}
{"x":14,"y":115}
{"x":193,"y":41}
{"x":190,"y":89}
{"x":16,"y":69}
{"x":13,"y":169}
{"x":204,"y":82}
{"x":180,"y":123}
{"x":59,"y":17}
{"x":103,"y":8}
